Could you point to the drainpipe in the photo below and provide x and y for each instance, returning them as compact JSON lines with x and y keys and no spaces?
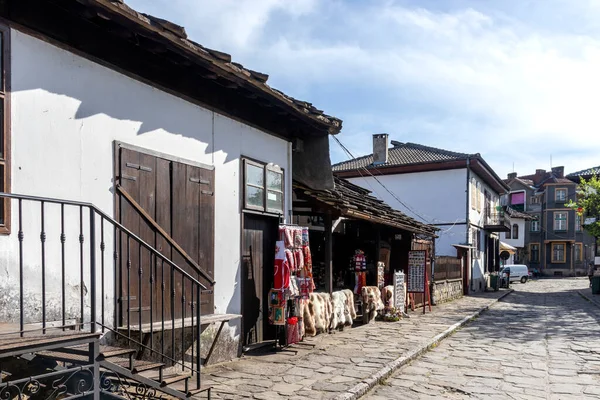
{"x":468,"y":219}
{"x":289,"y":182}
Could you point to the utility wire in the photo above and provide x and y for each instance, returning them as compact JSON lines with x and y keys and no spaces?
{"x":381,"y":183}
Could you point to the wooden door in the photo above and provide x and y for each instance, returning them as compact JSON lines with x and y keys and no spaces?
{"x":193,"y":223}
{"x":180,"y":198}
{"x":258,"y":258}
{"x":138,"y":178}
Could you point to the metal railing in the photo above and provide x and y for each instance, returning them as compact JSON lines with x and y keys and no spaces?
{"x":497,"y":219}
{"x":172,"y":291}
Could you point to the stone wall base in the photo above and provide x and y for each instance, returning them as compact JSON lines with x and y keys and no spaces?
{"x":448,"y":290}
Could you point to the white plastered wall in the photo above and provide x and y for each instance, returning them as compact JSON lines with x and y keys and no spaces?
{"x":66,"y":114}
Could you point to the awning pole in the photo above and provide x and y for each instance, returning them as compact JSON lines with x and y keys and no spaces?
{"x":328,"y":254}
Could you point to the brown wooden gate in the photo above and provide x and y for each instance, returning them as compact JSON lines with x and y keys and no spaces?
{"x":179,"y":198}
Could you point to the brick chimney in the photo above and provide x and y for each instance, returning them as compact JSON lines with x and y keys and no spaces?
{"x":559,"y":172}
{"x":540,"y":174}
{"x":380,"y":148}
{"x":512,"y":175}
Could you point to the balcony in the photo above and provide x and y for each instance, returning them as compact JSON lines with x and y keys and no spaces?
{"x":497,"y":222}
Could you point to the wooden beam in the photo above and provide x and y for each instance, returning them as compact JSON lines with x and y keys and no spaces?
{"x":160,"y":230}
{"x":328,"y":254}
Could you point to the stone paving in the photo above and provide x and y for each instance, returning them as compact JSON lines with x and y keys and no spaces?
{"x":337,"y":361}
{"x":540,"y":342}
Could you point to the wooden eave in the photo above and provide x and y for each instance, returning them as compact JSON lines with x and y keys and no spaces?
{"x":403,"y":169}
{"x":158,"y":52}
{"x":354,"y":202}
{"x":477,"y":164}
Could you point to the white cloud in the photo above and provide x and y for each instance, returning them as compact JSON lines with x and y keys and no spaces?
{"x":489,"y":80}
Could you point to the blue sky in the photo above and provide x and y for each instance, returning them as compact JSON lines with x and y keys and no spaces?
{"x":517,"y":81}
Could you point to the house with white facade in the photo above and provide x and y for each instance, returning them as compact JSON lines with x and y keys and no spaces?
{"x":456,"y":192}
{"x":143,"y":177}
{"x":513,"y":240}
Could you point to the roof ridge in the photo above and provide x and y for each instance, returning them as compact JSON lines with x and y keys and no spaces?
{"x":403,"y":154}
{"x":437,"y":149}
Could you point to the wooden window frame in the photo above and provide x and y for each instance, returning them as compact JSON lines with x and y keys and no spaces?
{"x":473,"y":195}
{"x":531,"y":253}
{"x":553,"y":259}
{"x":556,"y":199}
{"x":580,"y":258}
{"x":534,"y":200}
{"x":5,"y":159}
{"x":478,"y":193}
{"x":578,"y":223}
{"x":566,"y":221}
{"x":537,"y":224}
{"x":265,"y":167}
{"x":476,"y":243}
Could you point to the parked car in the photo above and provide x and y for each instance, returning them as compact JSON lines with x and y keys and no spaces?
{"x":517,"y":272}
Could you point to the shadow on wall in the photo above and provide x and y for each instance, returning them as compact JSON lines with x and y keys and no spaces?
{"x":101,"y":91}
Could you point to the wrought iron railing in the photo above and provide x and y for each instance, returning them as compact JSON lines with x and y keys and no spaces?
{"x":497,"y":219}
{"x":64,"y":228}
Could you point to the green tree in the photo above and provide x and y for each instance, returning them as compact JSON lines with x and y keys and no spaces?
{"x":588,"y":204}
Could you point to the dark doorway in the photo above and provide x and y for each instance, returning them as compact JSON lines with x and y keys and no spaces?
{"x":258,"y":259}
{"x":464,"y":259}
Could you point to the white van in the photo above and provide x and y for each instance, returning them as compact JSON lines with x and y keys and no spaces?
{"x":518,"y":272}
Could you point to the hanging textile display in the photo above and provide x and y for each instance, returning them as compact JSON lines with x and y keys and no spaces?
{"x":276,"y":306}
{"x":359,"y":262}
{"x":282,"y":268}
{"x":293,"y":282}
{"x":380,"y":275}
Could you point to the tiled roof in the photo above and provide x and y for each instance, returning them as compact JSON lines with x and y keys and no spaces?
{"x":403,"y":154}
{"x":554,"y":179}
{"x":356,"y":202}
{"x":547,"y":177}
{"x":168,"y":36}
{"x":585,"y":172}
{"x":526,"y":182}
{"x":517,"y":214}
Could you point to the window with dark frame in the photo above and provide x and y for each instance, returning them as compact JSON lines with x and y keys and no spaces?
{"x":535,"y":225}
{"x":263,"y":187}
{"x":578,"y":252}
{"x":558,"y":252}
{"x":4,"y":127}
{"x":515,"y":231}
{"x":560,"y":221}
{"x":534,"y":252}
{"x":577,"y":223}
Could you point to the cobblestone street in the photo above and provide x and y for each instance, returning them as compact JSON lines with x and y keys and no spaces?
{"x":339,"y":361}
{"x":540,"y":342}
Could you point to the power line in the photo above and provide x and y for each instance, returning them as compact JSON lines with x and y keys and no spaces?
{"x":381,"y":183}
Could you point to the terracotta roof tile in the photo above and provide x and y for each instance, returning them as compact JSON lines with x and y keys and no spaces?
{"x":403,"y":154}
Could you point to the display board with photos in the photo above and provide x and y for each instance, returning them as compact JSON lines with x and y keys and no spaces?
{"x":417,"y":264}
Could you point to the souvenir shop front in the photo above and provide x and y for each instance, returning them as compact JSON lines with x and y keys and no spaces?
{"x":355,"y":239}
{"x":339,"y":241}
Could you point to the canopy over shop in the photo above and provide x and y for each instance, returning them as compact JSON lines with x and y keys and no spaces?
{"x":347,"y":221}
